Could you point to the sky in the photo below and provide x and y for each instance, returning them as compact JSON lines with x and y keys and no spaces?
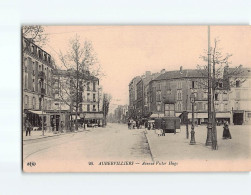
{"x":128,"y":51}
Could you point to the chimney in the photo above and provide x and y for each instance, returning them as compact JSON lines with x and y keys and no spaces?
{"x":162,"y":71}
{"x":181,"y":69}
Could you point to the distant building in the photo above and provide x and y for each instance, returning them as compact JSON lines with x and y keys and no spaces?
{"x":133,"y":96}
{"x":121,"y":114}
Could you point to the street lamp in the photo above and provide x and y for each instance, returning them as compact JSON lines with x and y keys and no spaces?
{"x":192,"y":141}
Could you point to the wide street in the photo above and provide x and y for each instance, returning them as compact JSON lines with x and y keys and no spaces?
{"x":74,"y":151}
{"x":77,"y":151}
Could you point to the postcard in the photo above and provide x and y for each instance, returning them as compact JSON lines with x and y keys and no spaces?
{"x":136,"y":98}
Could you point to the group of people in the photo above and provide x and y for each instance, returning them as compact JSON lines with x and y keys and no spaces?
{"x":132,"y":124}
{"x":29,"y":127}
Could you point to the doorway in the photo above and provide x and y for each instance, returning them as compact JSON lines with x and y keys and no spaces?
{"x":238,"y":118}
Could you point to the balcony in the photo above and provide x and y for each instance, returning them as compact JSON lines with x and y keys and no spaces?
{"x":41,"y":75}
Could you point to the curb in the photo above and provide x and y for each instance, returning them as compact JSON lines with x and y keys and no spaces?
{"x":51,"y":136}
{"x":152,"y":156}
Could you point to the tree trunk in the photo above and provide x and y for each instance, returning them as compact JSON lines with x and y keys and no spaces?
{"x":214,"y":130}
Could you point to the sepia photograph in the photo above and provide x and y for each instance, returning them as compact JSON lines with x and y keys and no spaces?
{"x":139,"y":98}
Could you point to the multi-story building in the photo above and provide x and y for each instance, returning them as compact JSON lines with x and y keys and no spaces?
{"x":142,"y":87}
{"x":121,"y":114}
{"x":88,"y":96}
{"x":133,"y":97}
{"x":37,"y":70}
{"x":177,"y":86}
{"x":240,"y":96}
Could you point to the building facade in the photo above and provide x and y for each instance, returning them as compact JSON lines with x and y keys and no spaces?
{"x":240,"y":97}
{"x":87,"y":98}
{"x":37,"y":68}
{"x":177,"y":86}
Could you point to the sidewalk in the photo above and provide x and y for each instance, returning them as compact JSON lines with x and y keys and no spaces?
{"x":39,"y":134}
{"x":177,"y":147}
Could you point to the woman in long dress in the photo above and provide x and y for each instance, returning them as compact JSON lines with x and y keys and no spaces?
{"x":226,"y":132}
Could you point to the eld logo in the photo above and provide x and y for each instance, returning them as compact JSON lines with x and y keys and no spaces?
{"x":31,"y":164}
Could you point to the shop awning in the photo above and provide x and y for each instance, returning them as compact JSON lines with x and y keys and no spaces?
{"x":205,"y":115}
{"x":39,"y":112}
{"x":198,"y":115}
{"x":155,"y":115}
{"x":94,"y":116}
{"x":223,"y":115}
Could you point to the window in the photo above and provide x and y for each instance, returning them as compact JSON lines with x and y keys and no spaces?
{"x":88,"y":97}
{"x":169,"y":110}
{"x":205,"y":106}
{"x":88,"y":86}
{"x":180,"y":85}
{"x":179,"y":106}
{"x":204,"y":95}
{"x":94,"y":86}
{"x":225,"y":107}
{"x":224,"y":96}
{"x":88,"y":108}
{"x":237,"y":83}
{"x":34,"y":103}
{"x":94,"y":108}
{"x":94,"y":97}
{"x":200,"y":106}
{"x":26,"y":101}
{"x":193,"y":84}
{"x":158,"y":96}
{"x":45,"y":104}
{"x":249,"y":115}
{"x":220,"y":84}
{"x":158,"y":86}
{"x":179,"y":95}
{"x":216,"y":96}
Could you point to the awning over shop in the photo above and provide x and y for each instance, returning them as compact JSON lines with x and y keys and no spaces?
{"x":39,"y":112}
{"x":155,"y":115}
{"x":198,"y":115}
{"x":223,"y":115}
{"x":94,"y":116}
{"x":205,"y":115}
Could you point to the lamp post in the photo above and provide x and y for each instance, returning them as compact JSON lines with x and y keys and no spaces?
{"x":192,"y":141}
{"x":209,"y":124}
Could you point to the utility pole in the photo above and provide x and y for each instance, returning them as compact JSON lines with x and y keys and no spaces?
{"x":186,"y":117}
{"x":209,"y":124}
{"x":76,"y":114}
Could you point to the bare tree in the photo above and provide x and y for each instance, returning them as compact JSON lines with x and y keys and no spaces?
{"x":219,"y":77}
{"x":82,"y":65}
{"x":35,"y":33}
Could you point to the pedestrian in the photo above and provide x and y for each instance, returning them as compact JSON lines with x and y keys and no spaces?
{"x":28,"y":127}
{"x":62,"y":126}
{"x":146,"y":124}
{"x":129,"y":124}
{"x":226,"y":132}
